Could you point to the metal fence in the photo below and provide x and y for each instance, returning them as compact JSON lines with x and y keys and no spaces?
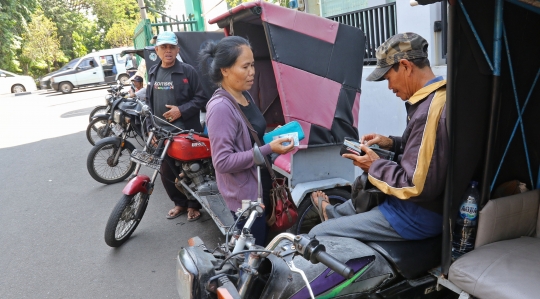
{"x":378,"y":23}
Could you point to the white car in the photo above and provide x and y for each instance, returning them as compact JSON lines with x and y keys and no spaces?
{"x":13,"y":83}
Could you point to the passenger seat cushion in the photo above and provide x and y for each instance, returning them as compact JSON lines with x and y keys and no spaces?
{"x":505,"y":269}
{"x":508,"y":218}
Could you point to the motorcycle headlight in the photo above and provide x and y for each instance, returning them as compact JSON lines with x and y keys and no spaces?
{"x":184,"y":278}
{"x":107,"y":99}
{"x":117,"y":116}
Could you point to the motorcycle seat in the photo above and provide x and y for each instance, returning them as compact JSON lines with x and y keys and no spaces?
{"x":412,"y":259}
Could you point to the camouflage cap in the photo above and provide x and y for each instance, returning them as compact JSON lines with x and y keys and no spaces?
{"x":400,"y":46}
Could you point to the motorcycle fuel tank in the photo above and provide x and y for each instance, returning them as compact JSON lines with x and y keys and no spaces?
{"x":186,"y":147}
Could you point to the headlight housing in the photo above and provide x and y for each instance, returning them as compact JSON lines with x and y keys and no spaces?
{"x":117,"y":116}
{"x":184,"y":278}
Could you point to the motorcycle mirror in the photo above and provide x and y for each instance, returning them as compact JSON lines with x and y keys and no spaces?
{"x":258,"y":157}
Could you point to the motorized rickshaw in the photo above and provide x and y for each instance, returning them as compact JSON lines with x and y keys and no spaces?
{"x":317,"y":85}
{"x":492,"y":106}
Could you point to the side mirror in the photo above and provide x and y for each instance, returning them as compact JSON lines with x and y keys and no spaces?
{"x":258,"y":157}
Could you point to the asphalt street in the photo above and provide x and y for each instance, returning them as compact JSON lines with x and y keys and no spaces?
{"x":53,"y":214}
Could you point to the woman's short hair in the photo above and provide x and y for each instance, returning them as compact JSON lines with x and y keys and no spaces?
{"x":222,"y":54}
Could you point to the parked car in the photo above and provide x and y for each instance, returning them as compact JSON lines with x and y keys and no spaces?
{"x":13,"y":83}
{"x":96,"y":68}
{"x":45,"y":81}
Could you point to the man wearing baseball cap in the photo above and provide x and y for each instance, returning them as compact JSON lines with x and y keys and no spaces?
{"x":175,"y":94}
{"x":414,"y":180}
{"x":138,"y":90}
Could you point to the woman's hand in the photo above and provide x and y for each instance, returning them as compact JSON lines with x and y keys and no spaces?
{"x":382,"y":141}
{"x":278,"y":147}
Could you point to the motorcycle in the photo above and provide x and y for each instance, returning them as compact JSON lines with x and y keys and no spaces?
{"x":306,"y":267}
{"x":108,"y":162}
{"x":100,"y":117}
{"x":193,"y":166}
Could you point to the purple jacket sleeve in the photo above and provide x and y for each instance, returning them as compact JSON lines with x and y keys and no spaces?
{"x":225,"y":129}
{"x":421,"y":173}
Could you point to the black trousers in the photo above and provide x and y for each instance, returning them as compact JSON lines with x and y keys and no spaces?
{"x":167,"y":178}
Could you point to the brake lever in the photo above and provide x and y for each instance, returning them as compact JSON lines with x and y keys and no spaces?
{"x":301,"y":272}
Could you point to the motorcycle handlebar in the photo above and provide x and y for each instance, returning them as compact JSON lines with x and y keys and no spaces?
{"x":332,"y":263}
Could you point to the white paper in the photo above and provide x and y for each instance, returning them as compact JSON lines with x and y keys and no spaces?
{"x":294,"y":135}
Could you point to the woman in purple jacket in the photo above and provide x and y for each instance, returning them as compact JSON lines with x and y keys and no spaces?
{"x":230,"y":65}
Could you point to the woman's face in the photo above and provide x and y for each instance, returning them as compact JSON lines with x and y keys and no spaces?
{"x":240,"y":75}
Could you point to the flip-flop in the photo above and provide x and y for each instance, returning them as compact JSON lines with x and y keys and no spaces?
{"x":195,"y":218}
{"x":318,"y":206}
{"x":175,"y":216}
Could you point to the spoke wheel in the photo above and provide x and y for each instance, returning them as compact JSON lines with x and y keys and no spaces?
{"x":308,"y":216}
{"x":125,"y":218}
{"x":103,"y":167}
{"x":97,"y":111}
{"x":98,"y":129}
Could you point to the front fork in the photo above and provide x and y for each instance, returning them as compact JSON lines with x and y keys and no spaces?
{"x":123,"y":138}
{"x":143,"y":183}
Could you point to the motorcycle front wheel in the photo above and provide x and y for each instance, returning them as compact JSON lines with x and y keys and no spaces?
{"x":125,"y":218}
{"x":101,"y":162}
{"x":97,"y":111}
{"x":98,"y":129}
{"x":308,"y":216}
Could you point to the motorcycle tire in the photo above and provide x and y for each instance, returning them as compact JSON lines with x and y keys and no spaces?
{"x":96,"y":130}
{"x":308,"y":216}
{"x":97,"y":111}
{"x":101,"y":166}
{"x":125,"y":218}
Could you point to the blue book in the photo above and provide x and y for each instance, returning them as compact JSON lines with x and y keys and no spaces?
{"x":291,"y":129}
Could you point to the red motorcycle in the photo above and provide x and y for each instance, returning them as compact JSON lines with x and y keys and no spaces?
{"x":195,"y":176}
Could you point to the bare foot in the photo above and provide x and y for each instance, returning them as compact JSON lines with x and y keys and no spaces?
{"x":324,"y":202}
{"x":193,"y":214}
{"x":175,"y":212}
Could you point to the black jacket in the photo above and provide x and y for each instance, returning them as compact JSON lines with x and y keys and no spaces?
{"x":189,"y":94}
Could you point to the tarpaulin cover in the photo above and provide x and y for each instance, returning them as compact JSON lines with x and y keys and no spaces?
{"x":308,"y":68}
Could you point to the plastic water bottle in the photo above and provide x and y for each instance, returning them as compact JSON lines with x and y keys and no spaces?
{"x":465,"y":229}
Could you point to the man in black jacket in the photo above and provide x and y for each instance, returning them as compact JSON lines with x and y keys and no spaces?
{"x":175,"y":93}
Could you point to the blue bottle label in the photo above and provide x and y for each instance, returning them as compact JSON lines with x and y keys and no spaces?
{"x":468,"y":211}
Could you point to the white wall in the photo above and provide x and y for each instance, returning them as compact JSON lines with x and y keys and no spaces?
{"x":420,"y":19}
{"x":210,"y":12}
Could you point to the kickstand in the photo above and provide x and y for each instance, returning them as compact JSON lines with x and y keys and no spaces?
{"x":301,"y":272}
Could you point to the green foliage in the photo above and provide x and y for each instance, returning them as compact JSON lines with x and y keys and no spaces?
{"x":41,"y":41}
{"x":233,"y":3}
{"x":121,"y":34}
{"x":80,"y":26}
{"x":14,"y":14}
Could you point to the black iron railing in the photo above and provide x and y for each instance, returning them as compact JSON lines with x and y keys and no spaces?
{"x":378,"y":23}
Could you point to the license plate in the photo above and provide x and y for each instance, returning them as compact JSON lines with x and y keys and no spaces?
{"x":117,"y":129}
{"x":146,"y":159}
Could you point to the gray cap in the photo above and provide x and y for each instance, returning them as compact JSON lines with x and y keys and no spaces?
{"x":400,"y":46}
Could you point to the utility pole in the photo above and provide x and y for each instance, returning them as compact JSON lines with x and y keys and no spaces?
{"x":143,"y":9}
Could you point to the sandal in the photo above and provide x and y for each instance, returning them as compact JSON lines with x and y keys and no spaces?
{"x":318,"y":205}
{"x":180,"y":213}
{"x":190,"y":219}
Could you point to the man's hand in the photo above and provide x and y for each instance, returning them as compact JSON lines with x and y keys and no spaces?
{"x":382,"y":141}
{"x":365,"y":161}
{"x":173,"y":114}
